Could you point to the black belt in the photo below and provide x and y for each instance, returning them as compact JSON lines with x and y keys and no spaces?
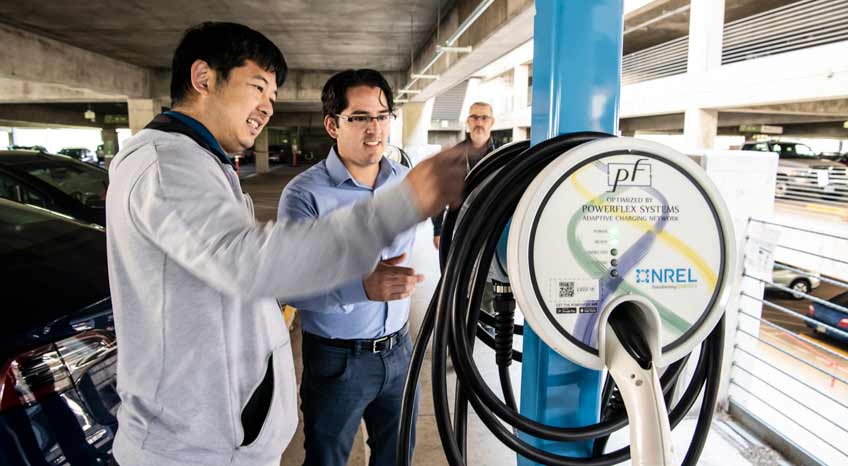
{"x":377,"y":345}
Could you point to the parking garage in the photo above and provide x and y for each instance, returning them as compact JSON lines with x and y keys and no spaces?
{"x":754,"y":93}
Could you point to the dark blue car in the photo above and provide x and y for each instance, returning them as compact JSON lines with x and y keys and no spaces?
{"x":829,"y":316}
{"x":57,"y":342}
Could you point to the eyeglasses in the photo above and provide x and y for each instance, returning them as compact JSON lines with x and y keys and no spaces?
{"x":483,"y":118}
{"x":365,"y":120}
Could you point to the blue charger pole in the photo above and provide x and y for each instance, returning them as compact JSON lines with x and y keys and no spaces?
{"x":576,"y":83}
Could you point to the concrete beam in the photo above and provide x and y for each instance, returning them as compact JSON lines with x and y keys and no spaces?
{"x":20,"y":91}
{"x":836,"y":108}
{"x":741,"y":118}
{"x":34,"y":68}
{"x":505,"y":25}
{"x":674,"y":122}
{"x":23,"y":115}
{"x":833,"y":130}
{"x":305,"y":86}
{"x":30,"y":57}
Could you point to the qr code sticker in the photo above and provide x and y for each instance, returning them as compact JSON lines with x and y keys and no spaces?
{"x":566,"y":289}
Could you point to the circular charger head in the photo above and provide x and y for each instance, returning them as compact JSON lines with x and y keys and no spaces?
{"x":617,"y":217}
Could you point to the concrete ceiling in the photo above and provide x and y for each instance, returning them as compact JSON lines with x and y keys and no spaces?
{"x":314,"y":35}
{"x":662,"y":21}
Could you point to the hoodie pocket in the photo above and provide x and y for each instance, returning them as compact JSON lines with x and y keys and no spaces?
{"x":258,"y":406}
{"x":269,"y":417}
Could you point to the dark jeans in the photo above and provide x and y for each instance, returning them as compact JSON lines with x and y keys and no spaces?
{"x":342,"y":386}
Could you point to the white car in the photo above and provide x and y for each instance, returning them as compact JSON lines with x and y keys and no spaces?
{"x":799,"y":283}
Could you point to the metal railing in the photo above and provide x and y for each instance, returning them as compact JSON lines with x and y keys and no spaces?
{"x":799,"y":25}
{"x":659,"y":61}
{"x":793,"y":381}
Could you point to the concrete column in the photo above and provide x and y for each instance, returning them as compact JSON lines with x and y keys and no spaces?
{"x":706,"y":29}
{"x":700,"y":128}
{"x":110,"y":144}
{"x":260,"y":147}
{"x":520,"y":84}
{"x":141,"y":111}
{"x":416,"y":122}
{"x":519,"y":133}
{"x":396,"y":129}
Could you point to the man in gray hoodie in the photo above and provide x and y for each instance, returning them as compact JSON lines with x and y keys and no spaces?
{"x":205,"y":369}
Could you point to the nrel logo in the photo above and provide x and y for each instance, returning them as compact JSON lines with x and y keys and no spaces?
{"x":629,"y":174}
{"x":665,"y":276}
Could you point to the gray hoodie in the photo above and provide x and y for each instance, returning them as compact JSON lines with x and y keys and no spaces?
{"x":205,"y":369}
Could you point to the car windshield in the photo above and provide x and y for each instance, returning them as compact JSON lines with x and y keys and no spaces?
{"x":83,"y":183}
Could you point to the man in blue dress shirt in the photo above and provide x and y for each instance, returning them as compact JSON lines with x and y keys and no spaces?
{"x":356,"y":346}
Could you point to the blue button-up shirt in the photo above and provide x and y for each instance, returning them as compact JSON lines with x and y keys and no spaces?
{"x":344,"y":312}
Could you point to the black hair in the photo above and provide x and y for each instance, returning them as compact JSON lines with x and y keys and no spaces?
{"x":223,"y":46}
{"x":334,"y":94}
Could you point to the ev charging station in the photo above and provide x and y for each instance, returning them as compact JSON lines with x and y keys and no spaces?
{"x":619,"y":252}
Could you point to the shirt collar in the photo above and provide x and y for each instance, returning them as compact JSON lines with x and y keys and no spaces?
{"x":339,"y":173}
{"x":204,"y":133}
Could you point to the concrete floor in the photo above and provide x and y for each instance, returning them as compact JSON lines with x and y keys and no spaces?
{"x":728,"y":443}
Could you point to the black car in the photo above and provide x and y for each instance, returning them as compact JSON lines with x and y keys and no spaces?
{"x":55,"y":182}
{"x":80,"y":153}
{"x":58,"y":353}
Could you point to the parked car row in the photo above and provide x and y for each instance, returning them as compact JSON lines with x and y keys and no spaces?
{"x":82,"y":154}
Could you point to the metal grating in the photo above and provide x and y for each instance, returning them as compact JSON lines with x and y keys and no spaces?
{"x":799,"y":25}
{"x":655,"y":62}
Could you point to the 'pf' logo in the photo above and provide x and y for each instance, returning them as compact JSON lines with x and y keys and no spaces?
{"x":629,"y":174}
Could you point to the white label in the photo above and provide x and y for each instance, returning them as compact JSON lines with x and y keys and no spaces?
{"x":574,"y":291}
{"x":759,"y":251}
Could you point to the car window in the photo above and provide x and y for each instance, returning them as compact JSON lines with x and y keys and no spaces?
{"x":32,"y":197}
{"x":797,"y":151}
{"x":13,"y":190}
{"x":7,"y":188}
{"x":85,"y":184}
{"x":841,"y":300}
{"x":761,"y":147}
{"x":804,"y":150}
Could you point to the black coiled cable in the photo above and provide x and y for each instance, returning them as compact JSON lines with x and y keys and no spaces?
{"x":454,"y":313}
